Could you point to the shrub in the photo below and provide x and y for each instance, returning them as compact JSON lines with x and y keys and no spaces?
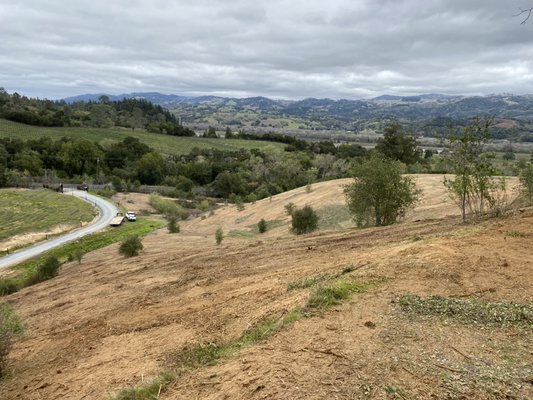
{"x":77,"y":255}
{"x":526,"y":181}
{"x":219,"y":235}
{"x":262,"y":226}
{"x":289,"y":208}
{"x":131,"y":247}
{"x":8,"y":286}
{"x":173,"y":226}
{"x":204,"y":205}
{"x":10,"y":326}
{"x":251,"y":198}
{"x":47,"y":270}
{"x":304,"y":220}
{"x":167,"y":207}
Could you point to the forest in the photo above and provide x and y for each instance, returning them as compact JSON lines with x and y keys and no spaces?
{"x":127,"y":113}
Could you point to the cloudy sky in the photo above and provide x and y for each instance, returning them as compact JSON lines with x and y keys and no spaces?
{"x":275,"y":48}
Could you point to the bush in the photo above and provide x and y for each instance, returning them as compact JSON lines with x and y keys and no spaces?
{"x":262,"y":226}
{"x":219,"y":235}
{"x":304,"y":220}
{"x":204,"y":205}
{"x":173,"y":226}
{"x":167,"y":207}
{"x":526,"y":181}
{"x":8,"y":286}
{"x":47,"y":270}
{"x":289,"y":208}
{"x":10,"y":326}
{"x":77,"y":255}
{"x":131,"y":247}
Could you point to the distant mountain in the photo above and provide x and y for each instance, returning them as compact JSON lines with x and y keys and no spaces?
{"x":425,"y":113}
{"x":154,"y":97}
{"x":421,"y":97}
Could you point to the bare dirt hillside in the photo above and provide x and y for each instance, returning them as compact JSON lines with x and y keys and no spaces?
{"x":112,"y":322}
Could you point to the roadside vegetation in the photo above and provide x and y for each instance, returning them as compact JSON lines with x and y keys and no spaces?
{"x":10,"y":327}
{"x":25,"y":211}
{"x":75,"y":250}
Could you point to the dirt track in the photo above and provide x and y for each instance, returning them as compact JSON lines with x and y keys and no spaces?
{"x":110,"y":322}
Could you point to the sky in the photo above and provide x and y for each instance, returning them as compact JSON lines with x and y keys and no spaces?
{"x":287,"y":49}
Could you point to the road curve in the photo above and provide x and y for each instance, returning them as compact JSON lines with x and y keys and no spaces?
{"x":106,"y":210}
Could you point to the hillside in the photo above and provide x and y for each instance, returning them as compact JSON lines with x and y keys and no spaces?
{"x":164,"y":144}
{"x":426,"y":114}
{"x":111,"y":322}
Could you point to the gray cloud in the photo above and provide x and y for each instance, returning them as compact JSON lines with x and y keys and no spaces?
{"x":276,"y":48}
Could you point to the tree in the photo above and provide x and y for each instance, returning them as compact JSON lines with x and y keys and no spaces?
{"x":524,"y":11}
{"x":473,"y":187}
{"x":304,"y":220}
{"x":219,"y":235}
{"x":151,"y":168}
{"x":526,"y":181}
{"x":211,"y":133}
{"x":80,"y":156}
{"x":229,"y":133}
{"x":131,"y":247}
{"x":398,"y":145}
{"x":379,"y":191}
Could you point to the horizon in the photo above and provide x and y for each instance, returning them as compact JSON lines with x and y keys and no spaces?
{"x":126,"y":93}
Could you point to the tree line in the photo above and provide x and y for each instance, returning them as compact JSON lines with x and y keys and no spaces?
{"x":127,"y":113}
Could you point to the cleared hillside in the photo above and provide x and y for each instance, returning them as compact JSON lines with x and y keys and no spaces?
{"x":111,"y":322}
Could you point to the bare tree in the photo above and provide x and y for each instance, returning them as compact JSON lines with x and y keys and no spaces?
{"x":526,"y":13}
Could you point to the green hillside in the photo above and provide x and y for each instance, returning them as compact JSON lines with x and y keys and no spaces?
{"x":165,"y":144}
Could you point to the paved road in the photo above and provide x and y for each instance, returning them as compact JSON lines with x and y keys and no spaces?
{"x":107,"y":212}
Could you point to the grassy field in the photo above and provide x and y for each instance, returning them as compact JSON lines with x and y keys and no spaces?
{"x":171,"y":145}
{"x":25,"y":211}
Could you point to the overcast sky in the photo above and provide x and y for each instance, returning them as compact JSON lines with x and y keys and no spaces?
{"x":275,"y":48}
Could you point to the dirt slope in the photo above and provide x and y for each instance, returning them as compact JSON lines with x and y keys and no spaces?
{"x":110,"y":322}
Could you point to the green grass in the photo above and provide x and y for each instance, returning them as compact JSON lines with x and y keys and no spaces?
{"x":470,"y":311}
{"x":164,"y":144}
{"x":84,"y":245}
{"x":307,"y":282}
{"x":332,"y":294}
{"x":38,"y":210}
{"x":314,"y":280}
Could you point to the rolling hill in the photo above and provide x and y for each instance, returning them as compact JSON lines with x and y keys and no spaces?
{"x":185,"y":306}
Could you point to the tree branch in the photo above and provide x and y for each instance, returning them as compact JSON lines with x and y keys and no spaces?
{"x":527,"y":11}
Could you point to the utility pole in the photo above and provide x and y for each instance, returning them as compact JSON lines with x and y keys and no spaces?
{"x":97,"y":170}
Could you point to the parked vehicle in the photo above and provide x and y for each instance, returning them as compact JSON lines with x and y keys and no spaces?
{"x":131,"y":216}
{"x":118,"y":220}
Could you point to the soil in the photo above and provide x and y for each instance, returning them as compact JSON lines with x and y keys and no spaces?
{"x":111,"y":322}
